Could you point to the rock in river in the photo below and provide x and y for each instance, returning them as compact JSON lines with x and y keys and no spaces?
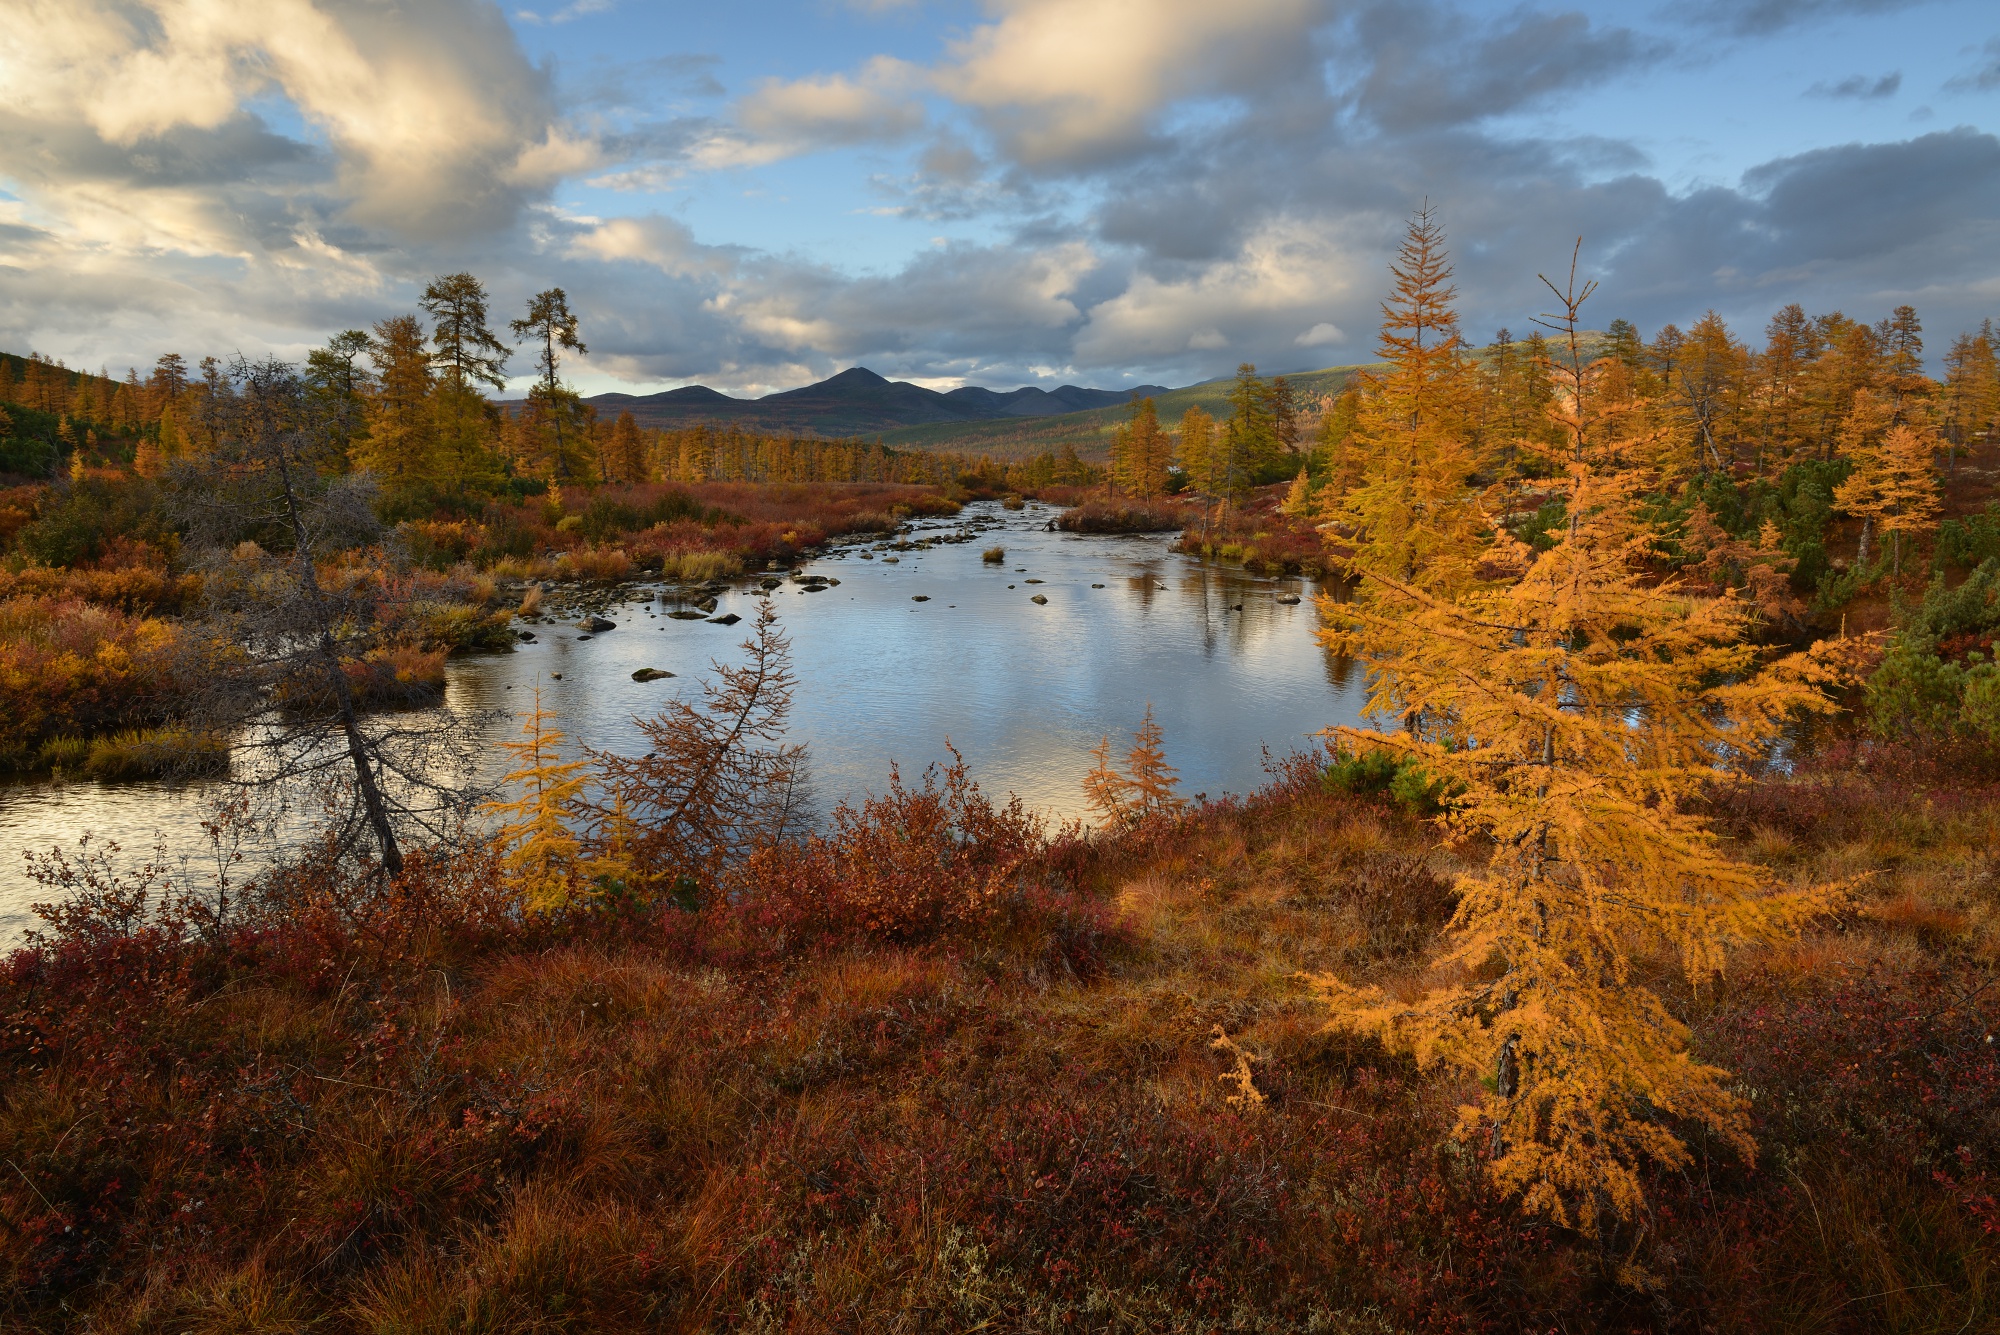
{"x":1039,"y":598}
{"x":920,"y":597}
{"x":650,"y":674}
{"x":726,"y":619}
{"x":596,"y":625}
{"x":1289,"y":599}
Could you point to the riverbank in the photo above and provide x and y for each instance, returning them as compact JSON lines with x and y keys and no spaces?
{"x":1072,"y":1084}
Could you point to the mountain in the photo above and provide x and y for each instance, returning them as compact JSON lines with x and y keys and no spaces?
{"x":858,"y":402}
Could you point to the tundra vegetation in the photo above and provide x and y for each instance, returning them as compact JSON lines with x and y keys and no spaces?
{"x":1554,"y":1000}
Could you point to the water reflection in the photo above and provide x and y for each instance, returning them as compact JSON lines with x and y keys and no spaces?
{"x":1024,"y":690}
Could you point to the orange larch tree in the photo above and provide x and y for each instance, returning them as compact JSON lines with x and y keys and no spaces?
{"x":1571,"y":717}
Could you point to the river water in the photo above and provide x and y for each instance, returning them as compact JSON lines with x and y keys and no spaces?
{"x":1023,"y":690}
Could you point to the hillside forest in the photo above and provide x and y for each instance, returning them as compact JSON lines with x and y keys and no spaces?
{"x":1631,"y":969}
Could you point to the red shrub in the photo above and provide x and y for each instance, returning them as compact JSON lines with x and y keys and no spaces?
{"x":908,"y":865}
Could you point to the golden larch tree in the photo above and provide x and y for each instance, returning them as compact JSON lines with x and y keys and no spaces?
{"x":1412,"y":516}
{"x":542,"y":855}
{"x":1571,"y":717}
{"x":1893,"y":488}
{"x":400,"y":446}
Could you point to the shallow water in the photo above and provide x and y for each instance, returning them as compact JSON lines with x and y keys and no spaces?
{"x":1024,"y":691}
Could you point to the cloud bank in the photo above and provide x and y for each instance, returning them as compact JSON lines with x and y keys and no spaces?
{"x":1164,"y":187}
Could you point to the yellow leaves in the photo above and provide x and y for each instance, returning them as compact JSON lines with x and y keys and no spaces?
{"x":541,"y":855}
{"x":1147,"y":787}
{"x":1571,"y":715}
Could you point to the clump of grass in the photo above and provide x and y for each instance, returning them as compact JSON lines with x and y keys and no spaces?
{"x":63,"y":753}
{"x":156,"y":753}
{"x":531,"y":602}
{"x":595,"y":563}
{"x":993,"y":556}
{"x":1013,"y":502}
{"x":698,"y":565}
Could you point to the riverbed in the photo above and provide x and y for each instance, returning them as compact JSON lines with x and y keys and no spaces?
{"x":920,"y":641}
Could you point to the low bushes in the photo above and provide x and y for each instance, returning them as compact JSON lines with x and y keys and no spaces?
{"x":1110,"y":517}
{"x":73,"y":669}
{"x":905,"y":866}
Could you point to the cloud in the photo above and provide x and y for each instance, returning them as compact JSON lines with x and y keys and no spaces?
{"x":1760,"y":18}
{"x":1984,"y":79}
{"x":783,"y":119}
{"x":1320,"y":335}
{"x":1859,"y":87}
{"x":1064,"y":83}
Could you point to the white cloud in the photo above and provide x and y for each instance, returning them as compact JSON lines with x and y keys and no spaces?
{"x":1067,"y":80}
{"x":783,"y":119}
{"x":1288,"y":268}
{"x":1320,"y":335}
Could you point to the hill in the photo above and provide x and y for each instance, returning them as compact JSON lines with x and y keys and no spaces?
{"x":857,"y":402}
{"x":1090,"y":431}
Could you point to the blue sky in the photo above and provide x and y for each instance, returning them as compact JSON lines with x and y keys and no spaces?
{"x":1104,"y":192}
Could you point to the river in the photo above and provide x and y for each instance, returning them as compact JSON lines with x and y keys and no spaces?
{"x":1023,"y":689}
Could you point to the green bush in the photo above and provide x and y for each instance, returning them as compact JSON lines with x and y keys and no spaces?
{"x":1377,"y":772}
{"x":1965,"y":543}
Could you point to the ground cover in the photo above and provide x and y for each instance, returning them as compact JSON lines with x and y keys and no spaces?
{"x":1076,"y":1083}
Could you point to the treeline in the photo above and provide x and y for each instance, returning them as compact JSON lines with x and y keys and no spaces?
{"x":1818,"y":389}
{"x":409,"y":403}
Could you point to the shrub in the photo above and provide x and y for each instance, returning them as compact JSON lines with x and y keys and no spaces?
{"x":993,"y":555}
{"x":1099,"y":517}
{"x":907,"y":866}
{"x":1378,"y":772}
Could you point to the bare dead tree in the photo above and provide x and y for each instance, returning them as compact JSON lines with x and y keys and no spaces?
{"x":263,"y":510}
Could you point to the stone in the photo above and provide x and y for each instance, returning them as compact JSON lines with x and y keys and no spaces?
{"x":768,"y":583}
{"x":650,"y":674}
{"x":920,"y":597}
{"x":1038,"y":598}
{"x":726,"y":619}
{"x":687,"y":614}
{"x":596,"y":625}
{"x":555,"y":676}
{"x":581,"y":638}
{"x":525,"y":636}
{"x":891,"y":560}
{"x":1289,"y":599}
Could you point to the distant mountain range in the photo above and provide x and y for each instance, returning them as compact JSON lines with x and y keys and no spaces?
{"x":857,"y":402}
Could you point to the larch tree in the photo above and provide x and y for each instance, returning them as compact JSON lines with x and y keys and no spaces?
{"x":541,"y":854}
{"x":1152,"y":781}
{"x":1413,"y":516}
{"x":554,"y":407}
{"x":1571,"y":718}
{"x":1143,"y":452}
{"x":1201,"y":459}
{"x":336,"y":378}
{"x":467,"y":354}
{"x":625,"y":457}
{"x":717,"y":780}
{"x":400,"y":447}
{"x":1893,"y":489}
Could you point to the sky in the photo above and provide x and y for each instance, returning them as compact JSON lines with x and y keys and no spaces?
{"x":754,"y":194}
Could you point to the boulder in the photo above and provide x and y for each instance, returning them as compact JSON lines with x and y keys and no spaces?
{"x":726,"y":619}
{"x":1038,"y":598}
{"x":1289,"y":599}
{"x":525,"y":636}
{"x":650,"y":674}
{"x":596,"y":625}
{"x":687,"y":614}
{"x":920,"y":597}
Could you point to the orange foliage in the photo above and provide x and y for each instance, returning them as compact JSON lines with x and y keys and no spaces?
{"x":70,"y":668}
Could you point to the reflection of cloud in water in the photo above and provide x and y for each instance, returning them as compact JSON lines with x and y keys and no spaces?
{"x":1024,"y":691}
